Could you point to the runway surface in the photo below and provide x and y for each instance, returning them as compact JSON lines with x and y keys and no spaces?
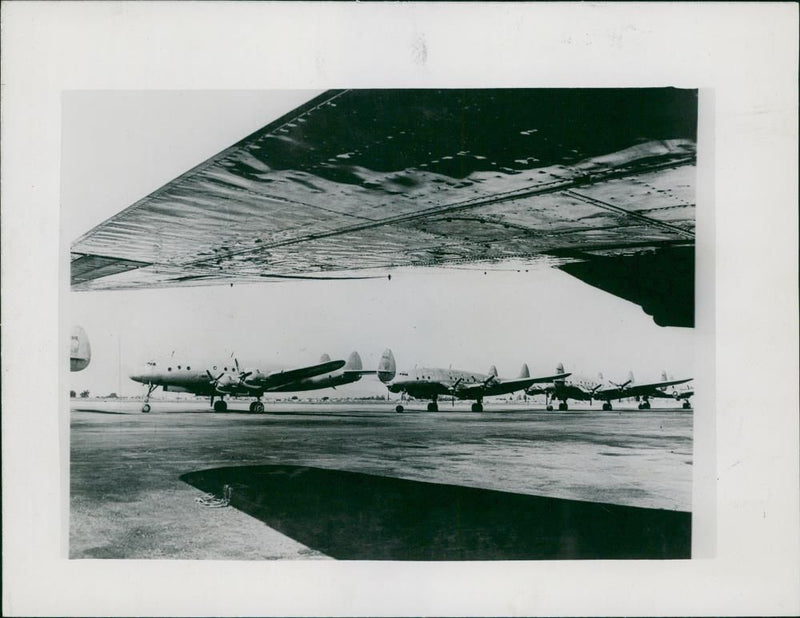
{"x":362,"y":482}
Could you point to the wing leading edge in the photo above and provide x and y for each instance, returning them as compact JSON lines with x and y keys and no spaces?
{"x":586,"y":179}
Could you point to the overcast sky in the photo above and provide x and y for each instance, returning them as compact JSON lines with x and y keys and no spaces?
{"x":119,"y":146}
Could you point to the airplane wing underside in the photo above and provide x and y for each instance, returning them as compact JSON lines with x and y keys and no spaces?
{"x":356,"y":182}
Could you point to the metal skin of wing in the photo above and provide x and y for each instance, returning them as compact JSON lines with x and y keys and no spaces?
{"x":600,"y":183}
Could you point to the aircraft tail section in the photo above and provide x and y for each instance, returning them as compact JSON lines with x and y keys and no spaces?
{"x":353,"y":362}
{"x":560,"y":368}
{"x":387,"y":367}
{"x":524,"y":372}
{"x":493,"y":371}
{"x":325,"y":358}
{"x":80,"y":352}
{"x":630,"y":378}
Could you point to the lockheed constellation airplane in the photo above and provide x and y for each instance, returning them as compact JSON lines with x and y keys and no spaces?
{"x":430,"y":383}
{"x":586,"y":389}
{"x":217,"y":381}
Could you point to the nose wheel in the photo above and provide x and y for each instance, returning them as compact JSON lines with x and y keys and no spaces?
{"x":146,"y":405}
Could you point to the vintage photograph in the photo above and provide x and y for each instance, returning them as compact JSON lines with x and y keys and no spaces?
{"x":381,"y":324}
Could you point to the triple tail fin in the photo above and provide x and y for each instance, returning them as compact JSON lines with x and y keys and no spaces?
{"x":493,"y":371}
{"x":524,"y":372}
{"x":324,"y":359}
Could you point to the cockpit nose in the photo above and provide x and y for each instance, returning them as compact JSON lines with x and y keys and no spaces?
{"x":144,"y":374}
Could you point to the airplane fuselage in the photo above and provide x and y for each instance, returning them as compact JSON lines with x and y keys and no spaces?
{"x":429,"y":382}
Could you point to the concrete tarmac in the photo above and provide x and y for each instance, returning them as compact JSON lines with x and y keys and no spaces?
{"x":135,"y":480}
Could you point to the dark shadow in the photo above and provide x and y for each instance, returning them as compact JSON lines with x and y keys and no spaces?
{"x":95,"y":411}
{"x":356,"y":516}
{"x":660,"y":281}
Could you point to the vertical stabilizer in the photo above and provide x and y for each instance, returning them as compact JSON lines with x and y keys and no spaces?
{"x":560,"y":368}
{"x":493,"y":371}
{"x":353,"y":362}
{"x":80,"y":352}
{"x":386,"y":367}
{"x":524,"y":372}
{"x":324,"y":359}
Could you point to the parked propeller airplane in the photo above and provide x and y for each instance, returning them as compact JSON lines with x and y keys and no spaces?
{"x":220,"y":380}
{"x":586,"y":389}
{"x":430,"y":383}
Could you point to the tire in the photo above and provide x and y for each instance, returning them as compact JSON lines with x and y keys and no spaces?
{"x":220,"y":406}
{"x":258,"y":407}
{"x":146,"y":408}
{"x":549,"y":408}
{"x":399,"y":409}
{"x":432,"y":407}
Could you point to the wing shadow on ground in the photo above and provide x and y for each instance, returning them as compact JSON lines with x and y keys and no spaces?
{"x":356,"y":516}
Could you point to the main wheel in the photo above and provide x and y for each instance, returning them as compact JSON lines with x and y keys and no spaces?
{"x":252,"y":406}
{"x":399,"y":409}
{"x":686,"y":405}
{"x":433,"y":407}
{"x":220,"y":406}
{"x":476,"y":407}
{"x":146,"y":408}
{"x":549,"y":408}
{"x":563,"y":406}
{"x":646,"y":405}
{"x":258,"y":407}
{"x":607,"y":406}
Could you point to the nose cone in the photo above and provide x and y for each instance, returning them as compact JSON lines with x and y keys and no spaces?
{"x":142,"y":375}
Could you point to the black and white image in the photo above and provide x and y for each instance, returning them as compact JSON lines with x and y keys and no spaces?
{"x":381,"y":324}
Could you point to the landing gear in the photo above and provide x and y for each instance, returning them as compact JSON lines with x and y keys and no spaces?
{"x":549,"y":408}
{"x":257,"y":407}
{"x":399,"y":409}
{"x":150,"y":389}
{"x":686,"y":405}
{"x":477,"y":407}
{"x":645,"y":405}
{"x":433,"y":407}
{"x":220,"y":406}
{"x":607,"y":406}
{"x":563,"y":406}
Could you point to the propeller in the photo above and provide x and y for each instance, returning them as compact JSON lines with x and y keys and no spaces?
{"x":455,"y":385}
